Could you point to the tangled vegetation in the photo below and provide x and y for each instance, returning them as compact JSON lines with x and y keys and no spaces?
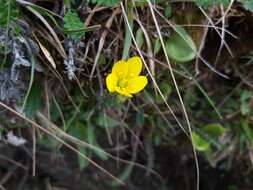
{"x":96,"y":93}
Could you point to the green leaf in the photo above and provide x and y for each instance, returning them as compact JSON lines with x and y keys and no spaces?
{"x":248,"y":4}
{"x":140,"y":3}
{"x":244,"y":106}
{"x":180,"y":46}
{"x":202,"y":90}
{"x":157,"y":140}
{"x":248,"y":130}
{"x":8,"y":11}
{"x":139,"y":38}
{"x":157,"y":46}
{"x":73,"y":22}
{"x":83,"y":163}
{"x":200,"y":143}
{"x":204,"y":3}
{"x":140,"y":119}
{"x":214,"y":130}
{"x":92,"y":140}
{"x":245,"y":95}
{"x":102,"y":60}
{"x":166,"y":89}
{"x":124,"y":175}
{"x":34,"y":100}
{"x":108,"y":3}
{"x":78,"y":131}
{"x":168,"y":11}
{"x":209,"y":3}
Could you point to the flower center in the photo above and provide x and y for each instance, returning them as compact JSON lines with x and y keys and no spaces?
{"x":123,"y":83}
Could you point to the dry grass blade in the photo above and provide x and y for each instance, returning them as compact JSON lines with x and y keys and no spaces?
{"x":88,"y":20}
{"x":43,"y":20}
{"x":46,"y":53}
{"x":102,"y":40}
{"x":218,"y":32}
{"x":227,"y":10}
{"x":199,"y":56}
{"x":201,"y":47}
{"x":56,"y":130}
{"x":60,"y":140}
{"x":210,"y":26}
{"x":149,"y":72}
{"x":176,"y":86}
{"x":222,"y":36}
{"x":149,"y":47}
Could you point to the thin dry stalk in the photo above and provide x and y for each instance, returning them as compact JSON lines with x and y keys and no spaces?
{"x":102,"y":40}
{"x":62,"y":141}
{"x":177,"y":89}
{"x":198,"y":55}
{"x":149,"y":72}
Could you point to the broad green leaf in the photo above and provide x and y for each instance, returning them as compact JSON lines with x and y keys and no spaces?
{"x":214,"y":130}
{"x":200,"y":143}
{"x":73,"y":22}
{"x":180,"y":46}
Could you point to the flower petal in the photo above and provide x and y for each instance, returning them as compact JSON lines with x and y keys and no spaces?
{"x":123,"y":92}
{"x":134,"y":66}
{"x":120,"y":69}
{"x":136,"y":84}
{"x":111,"y":82}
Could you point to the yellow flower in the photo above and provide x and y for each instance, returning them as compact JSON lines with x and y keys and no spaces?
{"x":125,"y":78}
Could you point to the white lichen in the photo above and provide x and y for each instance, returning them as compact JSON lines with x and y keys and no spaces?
{"x":14,"y":140}
{"x":69,"y":62}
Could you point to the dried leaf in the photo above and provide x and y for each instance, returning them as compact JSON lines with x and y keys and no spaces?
{"x":46,"y":53}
